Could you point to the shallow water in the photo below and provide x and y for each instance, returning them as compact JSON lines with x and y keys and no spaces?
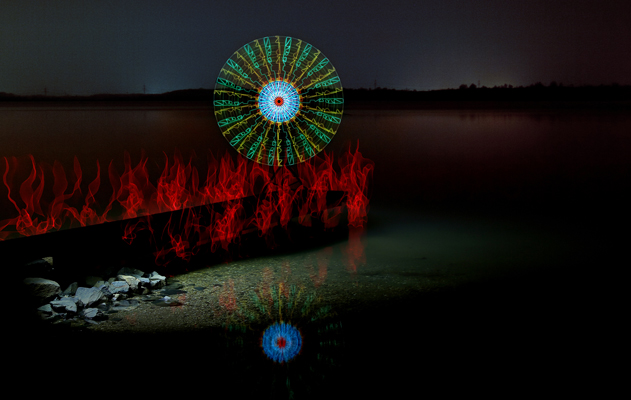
{"x":491,"y":236}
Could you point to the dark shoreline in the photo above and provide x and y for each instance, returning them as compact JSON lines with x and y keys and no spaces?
{"x":350,"y":105}
{"x":535,"y":96}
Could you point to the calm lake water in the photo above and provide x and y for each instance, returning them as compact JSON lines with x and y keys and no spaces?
{"x":491,"y":233}
{"x":429,"y":155}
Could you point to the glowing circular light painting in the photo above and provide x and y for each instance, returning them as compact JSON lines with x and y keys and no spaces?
{"x":278,"y":101}
{"x":281,"y":342}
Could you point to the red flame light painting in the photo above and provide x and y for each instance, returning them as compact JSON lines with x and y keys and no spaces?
{"x":134,"y":197}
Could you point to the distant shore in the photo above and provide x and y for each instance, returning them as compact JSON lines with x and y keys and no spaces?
{"x":537,"y":96}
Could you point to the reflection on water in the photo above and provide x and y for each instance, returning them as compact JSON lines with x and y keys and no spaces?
{"x":322,"y":260}
{"x":494,"y":155}
{"x":106,"y":132}
{"x":434,"y":281}
{"x":354,"y":251}
{"x":281,"y":333}
{"x":428,"y":155}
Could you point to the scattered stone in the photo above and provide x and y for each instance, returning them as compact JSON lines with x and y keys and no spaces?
{"x":89,"y":296}
{"x":130,"y":271}
{"x":89,"y":312}
{"x":131,"y":281}
{"x":105,"y":289}
{"x":119,"y":296}
{"x":80,"y":306}
{"x":71,"y":289}
{"x":156,"y":284}
{"x":47,"y":308}
{"x":155,"y":275}
{"x":156,"y":280}
{"x":93,"y":313}
{"x":117,"y":287}
{"x":103,"y":307}
{"x":42,"y":289}
{"x":125,"y":305}
{"x":167,"y":301}
{"x":67,"y":304}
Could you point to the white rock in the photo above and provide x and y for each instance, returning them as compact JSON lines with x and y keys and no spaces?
{"x":130,"y":271}
{"x":157,"y":280}
{"x":117,"y":287}
{"x":131,"y":281}
{"x":67,"y":304}
{"x":88,"y":296}
{"x":93,"y":313}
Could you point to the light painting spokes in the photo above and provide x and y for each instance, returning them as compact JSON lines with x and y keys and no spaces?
{"x":278,"y":101}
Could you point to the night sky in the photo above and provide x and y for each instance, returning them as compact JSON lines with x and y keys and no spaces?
{"x":86,"y":47}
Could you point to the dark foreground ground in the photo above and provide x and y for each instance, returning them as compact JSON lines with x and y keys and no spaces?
{"x":549,"y":329}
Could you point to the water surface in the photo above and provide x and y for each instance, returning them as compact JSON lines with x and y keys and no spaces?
{"x":492,"y":234}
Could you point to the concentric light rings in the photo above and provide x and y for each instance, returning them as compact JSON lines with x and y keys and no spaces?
{"x":281,"y":342}
{"x":278,"y":101}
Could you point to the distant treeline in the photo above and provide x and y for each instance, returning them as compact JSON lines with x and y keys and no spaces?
{"x":177,"y":95}
{"x":507,"y":93}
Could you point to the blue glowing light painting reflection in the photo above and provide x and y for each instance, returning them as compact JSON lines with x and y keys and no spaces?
{"x":281,"y":342}
{"x":279,"y":101}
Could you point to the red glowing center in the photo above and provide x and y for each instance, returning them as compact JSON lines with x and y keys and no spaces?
{"x":281,"y":342}
{"x":279,"y":101}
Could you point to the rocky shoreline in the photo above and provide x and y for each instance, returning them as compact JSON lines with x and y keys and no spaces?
{"x":99,"y":297}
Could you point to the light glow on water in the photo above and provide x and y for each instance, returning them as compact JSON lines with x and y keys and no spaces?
{"x":281,"y":342}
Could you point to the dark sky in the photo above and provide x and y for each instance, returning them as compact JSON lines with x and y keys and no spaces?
{"x":86,"y":47}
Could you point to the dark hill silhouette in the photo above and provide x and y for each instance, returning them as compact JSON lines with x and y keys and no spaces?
{"x":537,"y":92}
{"x":553,"y":95}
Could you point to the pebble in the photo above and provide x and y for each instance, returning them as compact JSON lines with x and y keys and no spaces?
{"x":107,"y":296}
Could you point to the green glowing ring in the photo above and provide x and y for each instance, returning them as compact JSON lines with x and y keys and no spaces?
{"x":286,"y":140}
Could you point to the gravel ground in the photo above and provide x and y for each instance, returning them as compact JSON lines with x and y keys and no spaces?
{"x":223,"y":294}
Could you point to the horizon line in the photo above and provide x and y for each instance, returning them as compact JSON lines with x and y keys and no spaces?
{"x":552,"y":84}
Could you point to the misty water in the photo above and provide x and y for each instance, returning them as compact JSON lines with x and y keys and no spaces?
{"x":490,"y":232}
